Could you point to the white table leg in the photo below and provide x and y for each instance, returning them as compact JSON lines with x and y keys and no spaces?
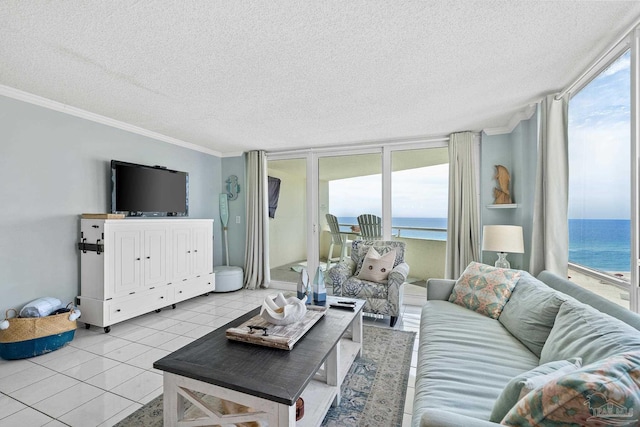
{"x":286,"y":416}
{"x":356,"y":330}
{"x":173,"y":407}
{"x":332,"y":368}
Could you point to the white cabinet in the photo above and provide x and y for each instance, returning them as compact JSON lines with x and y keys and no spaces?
{"x":132,"y":266}
{"x":191,"y":250}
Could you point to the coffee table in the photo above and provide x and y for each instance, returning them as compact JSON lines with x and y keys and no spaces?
{"x":265,"y":381}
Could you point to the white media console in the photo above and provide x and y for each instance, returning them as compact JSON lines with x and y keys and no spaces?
{"x":133,"y":266}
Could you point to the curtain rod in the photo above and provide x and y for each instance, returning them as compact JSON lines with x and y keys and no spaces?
{"x":600,"y":58}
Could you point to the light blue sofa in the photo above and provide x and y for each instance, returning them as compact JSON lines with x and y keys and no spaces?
{"x":466,"y":359}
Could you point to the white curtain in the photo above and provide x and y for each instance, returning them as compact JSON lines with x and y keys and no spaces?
{"x":463,"y":224}
{"x":256,"y":264}
{"x":550,"y":235}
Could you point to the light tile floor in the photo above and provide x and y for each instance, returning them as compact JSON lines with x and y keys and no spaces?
{"x":98,"y":379}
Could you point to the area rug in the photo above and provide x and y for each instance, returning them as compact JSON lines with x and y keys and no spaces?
{"x":373,"y":392}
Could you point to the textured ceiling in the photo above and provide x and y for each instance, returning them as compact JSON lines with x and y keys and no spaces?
{"x":239,"y":75}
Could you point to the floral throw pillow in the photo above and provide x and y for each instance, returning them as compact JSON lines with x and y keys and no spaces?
{"x":603,"y":393}
{"x":376,"y":267}
{"x":484,"y":289}
{"x":515,"y":388}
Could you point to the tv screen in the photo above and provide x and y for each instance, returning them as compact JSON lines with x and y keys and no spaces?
{"x":139,"y":190}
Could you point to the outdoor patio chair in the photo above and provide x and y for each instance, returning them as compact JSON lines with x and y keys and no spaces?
{"x":337,"y":238}
{"x":370,"y":227}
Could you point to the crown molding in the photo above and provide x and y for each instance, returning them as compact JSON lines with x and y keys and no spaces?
{"x":83,"y":114}
{"x":233,"y":154}
{"x":524,"y":114}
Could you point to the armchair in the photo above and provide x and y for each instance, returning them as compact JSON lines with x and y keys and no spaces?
{"x":380,"y":298}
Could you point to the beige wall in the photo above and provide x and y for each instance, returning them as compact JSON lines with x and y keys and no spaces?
{"x":425,"y":257}
{"x":287,"y":231}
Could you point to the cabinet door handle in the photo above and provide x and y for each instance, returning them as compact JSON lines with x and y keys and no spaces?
{"x":195,"y":250}
{"x":118,"y":311}
{"x":188,"y":252}
{"x":161,"y":297}
{"x":179,"y":292}
{"x":137,"y":259}
{"x":148,"y":257}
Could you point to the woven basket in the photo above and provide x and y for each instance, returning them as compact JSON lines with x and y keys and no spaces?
{"x":32,"y":336}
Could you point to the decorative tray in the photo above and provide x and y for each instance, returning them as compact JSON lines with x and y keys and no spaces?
{"x":270,"y":335}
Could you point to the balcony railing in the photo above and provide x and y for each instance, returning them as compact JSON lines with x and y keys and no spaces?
{"x":429,"y":233}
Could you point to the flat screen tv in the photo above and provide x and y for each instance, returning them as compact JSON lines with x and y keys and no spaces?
{"x":139,"y":190}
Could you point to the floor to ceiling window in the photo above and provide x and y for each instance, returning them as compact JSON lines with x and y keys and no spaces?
{"x":349,"y":185}
{"x":288,"y":226}
{"x":405,"y":186}
{"x":419,"y":202}
{"x":600,"y":182}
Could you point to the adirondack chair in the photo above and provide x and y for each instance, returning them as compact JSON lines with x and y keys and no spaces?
{"x":370,"y":227}
{"x":337,"y":238}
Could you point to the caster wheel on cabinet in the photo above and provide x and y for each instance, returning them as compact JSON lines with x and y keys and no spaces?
{"x":158,"y":310}
{"x":173,"y":306}
{"x":87,"y":326}
{"x":107,"y":329}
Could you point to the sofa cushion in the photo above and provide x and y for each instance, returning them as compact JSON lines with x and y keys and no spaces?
{"x":587,"y":297}
{"x":531,"y":311}
{"x":582,"y":331}
{"x":603,"y":393}
{"x":465,"y":359}
{"x":484,"y":289}
{"x":511,"y":393}
{"x":376,"y":267}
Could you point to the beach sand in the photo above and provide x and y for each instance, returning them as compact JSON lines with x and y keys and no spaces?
{"x":610,"y":292}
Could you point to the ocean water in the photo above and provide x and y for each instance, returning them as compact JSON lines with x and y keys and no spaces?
{"x":603,"y":244}
{"x":410,"y":222}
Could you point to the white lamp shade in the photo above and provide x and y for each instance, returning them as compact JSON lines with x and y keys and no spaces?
{"x":502,"y":238}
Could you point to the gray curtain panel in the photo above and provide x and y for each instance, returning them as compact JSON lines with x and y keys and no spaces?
{"x":550,"y":234}
{"x":256,"y":264}
{"x":463,"y":235}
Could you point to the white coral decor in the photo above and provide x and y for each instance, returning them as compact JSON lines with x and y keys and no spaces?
{"x":283,"y":311}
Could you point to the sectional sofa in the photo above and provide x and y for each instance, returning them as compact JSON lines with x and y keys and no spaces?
{"x":545,"y":352}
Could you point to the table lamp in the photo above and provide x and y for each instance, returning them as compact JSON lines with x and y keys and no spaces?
{"x":502,"y":239}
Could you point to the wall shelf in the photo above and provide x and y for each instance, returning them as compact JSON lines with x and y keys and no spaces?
{"x":503,"y":206}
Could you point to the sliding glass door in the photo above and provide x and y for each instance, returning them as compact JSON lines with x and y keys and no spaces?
{"x":288,"y":219}
{"x":348,"y":186}
{"x":419,"y":203}
{"x":399,"y":184}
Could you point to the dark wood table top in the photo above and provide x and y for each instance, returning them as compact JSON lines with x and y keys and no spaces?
{"x":269,"y":373}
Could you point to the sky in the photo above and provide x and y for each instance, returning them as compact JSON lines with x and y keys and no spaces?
{"x":599,"y":146}
{"x":417,"y":193}
{"x":599,"y":162}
